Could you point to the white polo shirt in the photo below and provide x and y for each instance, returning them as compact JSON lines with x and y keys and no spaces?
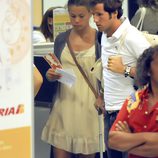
{"x":117,"y":87}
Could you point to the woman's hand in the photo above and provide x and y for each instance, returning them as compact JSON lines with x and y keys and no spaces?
{"x":52,"y":75}
{"x":100,"y":105}
{"x":123,"y":127}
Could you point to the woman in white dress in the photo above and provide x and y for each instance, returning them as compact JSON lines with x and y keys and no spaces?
{"x":72,"y":126}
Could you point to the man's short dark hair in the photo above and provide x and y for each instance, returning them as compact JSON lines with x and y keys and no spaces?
{"x":110,"y":6}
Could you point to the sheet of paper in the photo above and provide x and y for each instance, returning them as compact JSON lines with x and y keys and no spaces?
{"x":68,"y":76}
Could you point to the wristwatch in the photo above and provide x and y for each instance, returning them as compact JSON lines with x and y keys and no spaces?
{"x":127,"y":71}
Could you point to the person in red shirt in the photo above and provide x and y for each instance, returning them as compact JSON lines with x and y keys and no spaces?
{"x":136,"y":128}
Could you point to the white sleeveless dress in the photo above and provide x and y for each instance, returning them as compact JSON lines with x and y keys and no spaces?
{"x":73,"y":122}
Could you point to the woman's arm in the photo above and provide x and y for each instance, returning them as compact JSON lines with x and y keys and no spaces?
{"x":150,"y":148}
{"x":38,"y":80}
{"x":124,"y":141}
{"x":142,"y":144}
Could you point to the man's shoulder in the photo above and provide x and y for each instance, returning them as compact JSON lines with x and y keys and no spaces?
{"x":133,"y":32}
{"x":135,"y":36}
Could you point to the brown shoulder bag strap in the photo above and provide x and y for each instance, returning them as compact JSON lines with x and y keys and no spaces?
{"x":80,"y":68}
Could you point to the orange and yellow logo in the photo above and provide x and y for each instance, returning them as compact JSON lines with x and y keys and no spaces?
{"x":14,"y":110}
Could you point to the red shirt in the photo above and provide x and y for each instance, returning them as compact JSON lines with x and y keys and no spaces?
{"x":135,"y":112}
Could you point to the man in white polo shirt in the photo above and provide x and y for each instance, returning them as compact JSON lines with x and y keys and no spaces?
{"x":121,"y":45}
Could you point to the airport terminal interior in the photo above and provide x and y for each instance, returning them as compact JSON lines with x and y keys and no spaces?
{"x":43,"y":100}
{"x":74,"y":80}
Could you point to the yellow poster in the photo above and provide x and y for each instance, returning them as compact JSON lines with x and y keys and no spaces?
{"x":15,"y":79}
{"x":61,"y":21}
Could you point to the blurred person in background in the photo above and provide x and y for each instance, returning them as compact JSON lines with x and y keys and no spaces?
{"x":46,"y":26}
{"x":150,"y":22}
{"x":38,"y":80}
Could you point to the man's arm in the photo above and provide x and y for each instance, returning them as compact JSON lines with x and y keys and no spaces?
{"x":123,"y":141}
{"x":150,"y":148}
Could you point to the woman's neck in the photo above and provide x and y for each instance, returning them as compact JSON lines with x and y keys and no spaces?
{"x":84,"y":32}
{"x":153,"y":96}
{"x":154,"y":87}
{"x":154,"y":93}
{"x":82,"y":39}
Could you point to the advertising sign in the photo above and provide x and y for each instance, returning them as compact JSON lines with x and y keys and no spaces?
{"x":15,"y":79}
{"x":61,"y":21}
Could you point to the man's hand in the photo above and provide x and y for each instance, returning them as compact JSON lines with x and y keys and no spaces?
{"x":115,"y":64}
